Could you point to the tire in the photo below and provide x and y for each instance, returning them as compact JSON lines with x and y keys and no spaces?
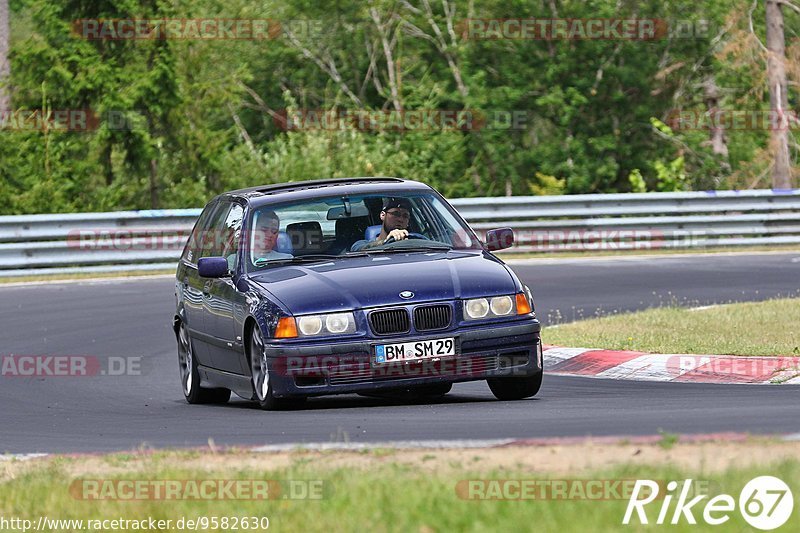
{"x":263,"y":393}
{"x":190,"y":377}
{"x":516,"y":388}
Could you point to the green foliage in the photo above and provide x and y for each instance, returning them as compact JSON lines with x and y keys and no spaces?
{"x":637,"y":181}
{"x":182,"y":120}
{"x":547,"y":185}
{"x":671,"y":176}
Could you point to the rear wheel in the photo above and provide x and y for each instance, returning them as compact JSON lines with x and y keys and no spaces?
{"x":516,"y":388}
{"x":190,"y":377}
{"x":262,"y":385}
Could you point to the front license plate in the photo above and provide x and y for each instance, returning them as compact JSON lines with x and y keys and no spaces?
{"x":415,"y":351}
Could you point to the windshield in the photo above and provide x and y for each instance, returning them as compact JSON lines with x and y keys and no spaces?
{"x":333,"y":227}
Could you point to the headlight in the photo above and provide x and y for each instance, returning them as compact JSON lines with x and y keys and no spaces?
{"x":489,"y":307}
{"x":477,"y":308}
{"x":310,"y":325}
{"x":334,"y":323}
{"x":502,"y":305}
{"x":338,"y":323}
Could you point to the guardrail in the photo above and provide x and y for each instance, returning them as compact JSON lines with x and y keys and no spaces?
{"x":152,"y":240}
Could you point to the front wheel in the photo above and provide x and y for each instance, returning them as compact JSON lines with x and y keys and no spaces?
{"x":190,"y":377}
{"x":262,"y":385}
{"x":516,"y":388}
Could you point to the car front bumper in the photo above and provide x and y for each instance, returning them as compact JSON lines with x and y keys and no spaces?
{"x":507,"y":350}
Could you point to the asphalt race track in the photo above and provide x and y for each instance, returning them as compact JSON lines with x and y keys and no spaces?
{"x":131,"y":319}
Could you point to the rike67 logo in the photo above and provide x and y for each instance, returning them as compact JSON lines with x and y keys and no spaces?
{"x":765,"y":503}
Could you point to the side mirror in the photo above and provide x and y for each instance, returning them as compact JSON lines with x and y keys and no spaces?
{"x":212,"y":267}
{"x":499,"y":239}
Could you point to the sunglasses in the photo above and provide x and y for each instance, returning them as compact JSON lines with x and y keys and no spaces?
{"x":399,"y":213}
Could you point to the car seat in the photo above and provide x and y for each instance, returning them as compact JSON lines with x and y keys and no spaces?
{"x":306,"y":237}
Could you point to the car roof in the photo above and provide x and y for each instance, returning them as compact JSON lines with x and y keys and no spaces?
{"x":302,"y":190}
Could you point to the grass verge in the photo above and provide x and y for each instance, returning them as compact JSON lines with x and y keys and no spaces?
{"x":84,"y":276}
{"x":757,"y":328}
{"x":386,"y":492}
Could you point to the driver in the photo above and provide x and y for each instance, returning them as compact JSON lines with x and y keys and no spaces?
{"x":395,"y":218}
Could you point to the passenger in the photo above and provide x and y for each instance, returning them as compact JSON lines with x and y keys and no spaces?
{"x":265,"y":238}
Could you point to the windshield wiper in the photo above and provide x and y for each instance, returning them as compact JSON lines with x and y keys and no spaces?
{"x":313,"y":258}
{"x":440,"y":247}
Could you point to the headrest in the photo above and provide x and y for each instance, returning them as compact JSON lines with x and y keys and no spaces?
{"x":284,"y":244}
{"x":351,"y":228}
{"x":305,"y":235}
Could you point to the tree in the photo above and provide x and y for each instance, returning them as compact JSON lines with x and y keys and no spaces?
{"x":778,"y":99}
{"x":5,"y":65}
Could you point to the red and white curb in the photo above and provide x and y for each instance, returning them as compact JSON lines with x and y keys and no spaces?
{"x":642,"y":366}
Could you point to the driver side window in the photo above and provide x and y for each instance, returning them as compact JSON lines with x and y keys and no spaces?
{"x":224,"y":231}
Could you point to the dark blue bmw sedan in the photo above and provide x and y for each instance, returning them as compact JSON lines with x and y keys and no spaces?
{"x":357,"y":285}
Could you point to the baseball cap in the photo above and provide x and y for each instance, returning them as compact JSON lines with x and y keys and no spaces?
{"x":391,"y":202}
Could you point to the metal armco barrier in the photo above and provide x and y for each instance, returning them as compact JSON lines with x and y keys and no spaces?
{"x":153,"y":240}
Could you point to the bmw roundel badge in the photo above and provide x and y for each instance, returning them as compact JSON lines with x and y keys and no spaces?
{"x":406,"y":295}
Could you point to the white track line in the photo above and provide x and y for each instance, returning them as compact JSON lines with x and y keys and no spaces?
{"x":87,"y":281}
{"x":21,"y":456}
{"x":636,"y":257}
{"x":410,"y":444}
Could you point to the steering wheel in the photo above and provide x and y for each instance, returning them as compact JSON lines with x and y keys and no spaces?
{"x":410,"y":236}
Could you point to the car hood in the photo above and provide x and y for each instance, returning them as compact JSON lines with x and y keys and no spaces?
{"x":378,"y":280}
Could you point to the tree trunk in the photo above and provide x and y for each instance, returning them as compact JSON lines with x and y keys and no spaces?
{"x":5,"y":65}
{"x":153,"y":184}
{"x":718,"y":139}
{"x":776,"y":75}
